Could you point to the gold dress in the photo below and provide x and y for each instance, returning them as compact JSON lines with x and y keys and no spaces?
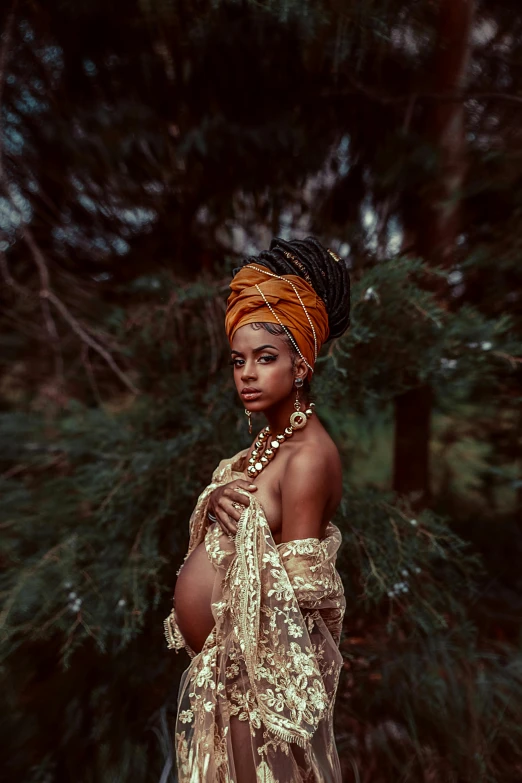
{"x":257,"y":702}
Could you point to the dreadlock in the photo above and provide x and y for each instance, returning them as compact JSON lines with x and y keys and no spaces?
{"x":309,"y":259}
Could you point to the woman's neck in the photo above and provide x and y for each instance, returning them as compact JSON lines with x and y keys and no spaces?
{"x":278,"y":417}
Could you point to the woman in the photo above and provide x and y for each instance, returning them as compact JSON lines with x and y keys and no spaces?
{"x":258,"y":603}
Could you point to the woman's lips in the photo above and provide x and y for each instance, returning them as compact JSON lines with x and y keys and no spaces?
{"x":250,"y":395}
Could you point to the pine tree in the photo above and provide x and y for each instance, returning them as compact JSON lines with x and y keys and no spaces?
{"x":131,"y":184}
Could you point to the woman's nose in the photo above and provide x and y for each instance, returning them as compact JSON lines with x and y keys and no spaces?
{"x":249,"y":370}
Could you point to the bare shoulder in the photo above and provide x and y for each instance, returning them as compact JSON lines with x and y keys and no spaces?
{"x":311,"y":487}
{"x":314,"y":466}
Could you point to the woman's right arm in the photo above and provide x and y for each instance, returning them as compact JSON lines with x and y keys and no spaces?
{"x":226,"y":504}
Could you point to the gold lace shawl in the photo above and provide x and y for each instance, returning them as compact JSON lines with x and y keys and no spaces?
{"x":272,"y":658}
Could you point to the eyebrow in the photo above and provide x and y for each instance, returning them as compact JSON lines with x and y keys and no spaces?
{"x":256,"y":350}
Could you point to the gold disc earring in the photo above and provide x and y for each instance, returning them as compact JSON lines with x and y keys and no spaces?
{"x":298,"y":419}
{"x":249,"y":415}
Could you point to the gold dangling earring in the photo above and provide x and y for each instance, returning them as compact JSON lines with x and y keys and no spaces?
{"x":298,"y":419}
{"x":298,"y":383}
{"x":249,"y":415}
{"x":297,"y":403}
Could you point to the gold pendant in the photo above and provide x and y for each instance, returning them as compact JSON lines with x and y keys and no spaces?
{"x":298,"y":420}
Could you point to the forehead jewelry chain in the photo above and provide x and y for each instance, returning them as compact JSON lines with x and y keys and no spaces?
{"x":287,"y":332}
{"x":258,"y":461}
{"x":280,"y":277}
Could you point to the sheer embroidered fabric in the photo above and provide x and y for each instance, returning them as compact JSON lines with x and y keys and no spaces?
{"x":257,"y":702}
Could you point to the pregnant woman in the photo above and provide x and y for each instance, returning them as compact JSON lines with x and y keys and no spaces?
{"x":258,"y":602}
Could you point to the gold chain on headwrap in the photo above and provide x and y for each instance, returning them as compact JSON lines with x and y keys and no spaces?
{"x":299,"y":265}
{"x":281,"y":277}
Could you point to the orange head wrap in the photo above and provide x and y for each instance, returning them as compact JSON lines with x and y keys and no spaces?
{"x":246,"y":304}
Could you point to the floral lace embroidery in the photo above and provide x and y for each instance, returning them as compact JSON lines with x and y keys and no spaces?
{"x":271,"y":664}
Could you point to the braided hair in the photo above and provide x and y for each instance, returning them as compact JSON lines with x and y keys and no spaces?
{"x":322,"y":269}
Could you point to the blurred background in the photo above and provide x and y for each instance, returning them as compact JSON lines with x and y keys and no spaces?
{"x":146,"y":146}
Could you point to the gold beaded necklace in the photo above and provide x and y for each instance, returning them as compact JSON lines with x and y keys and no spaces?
{"x":257,"y":463}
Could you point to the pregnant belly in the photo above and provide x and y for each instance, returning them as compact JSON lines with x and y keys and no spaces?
{"x":193,"y":598}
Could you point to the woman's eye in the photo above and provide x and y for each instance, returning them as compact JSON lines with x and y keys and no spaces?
{"x":240,"y":362}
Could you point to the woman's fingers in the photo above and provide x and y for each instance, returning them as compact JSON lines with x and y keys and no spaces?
{"x":244,"y":485}
{"x":232,"y":494}
{"x":231,"y":508}
{"x":231,"y":504}
{"x":225,"y":522}
{"x":238,"y":499}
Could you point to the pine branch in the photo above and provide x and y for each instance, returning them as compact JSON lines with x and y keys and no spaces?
{"x":47,"y":295}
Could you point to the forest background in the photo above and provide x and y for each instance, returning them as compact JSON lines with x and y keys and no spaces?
{"x":146,"y":146}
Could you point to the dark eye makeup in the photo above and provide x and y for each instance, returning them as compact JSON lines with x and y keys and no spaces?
{"x":270,"y":357}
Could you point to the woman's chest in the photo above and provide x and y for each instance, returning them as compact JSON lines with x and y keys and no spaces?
{"x":269,"y":494}
{"x":269,"y":498}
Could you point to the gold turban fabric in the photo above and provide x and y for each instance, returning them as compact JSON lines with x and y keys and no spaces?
{"x":246,"y":304}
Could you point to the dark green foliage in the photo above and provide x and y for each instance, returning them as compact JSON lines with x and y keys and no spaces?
{"x":147,"y":148}
{"x":98,"y":511}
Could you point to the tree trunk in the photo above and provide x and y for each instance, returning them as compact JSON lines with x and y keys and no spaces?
{"x":436,"y":228}
{"x":412,"y":438}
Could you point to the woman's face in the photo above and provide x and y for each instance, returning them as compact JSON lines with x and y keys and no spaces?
{"x":264,"y":373}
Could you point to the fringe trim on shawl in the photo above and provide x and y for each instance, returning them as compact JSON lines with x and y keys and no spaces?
{"x":175,"y":640}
